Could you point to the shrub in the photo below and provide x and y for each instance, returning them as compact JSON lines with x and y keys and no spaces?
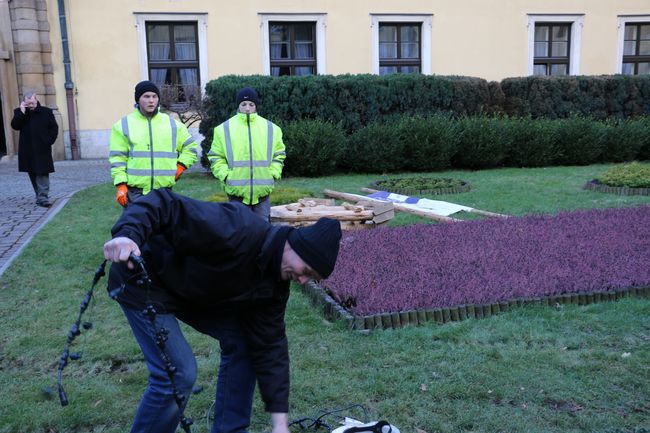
{"x":623,"y":139}
{"x":599,"y":97}
{"x":580,"y":141}
{"x":377,"y":148}
{"x":313,"y":147}
{"x":633,"y":175}
{"x":534,"y":142}
{"x":429,"y":142}
{"x":482,"y":142}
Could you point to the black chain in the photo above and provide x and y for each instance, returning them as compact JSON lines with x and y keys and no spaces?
{"x":161,"y":336}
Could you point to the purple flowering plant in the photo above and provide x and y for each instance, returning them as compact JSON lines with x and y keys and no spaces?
{"x":484,"y":261}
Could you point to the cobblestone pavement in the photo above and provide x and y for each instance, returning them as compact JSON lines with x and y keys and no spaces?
{"x":20,"y":218}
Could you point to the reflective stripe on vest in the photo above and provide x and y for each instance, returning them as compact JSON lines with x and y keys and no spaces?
{"x":247,"y":182}
{"x":125,"y":131}
{"x":147,"y":172}
{"x":172,"y":123}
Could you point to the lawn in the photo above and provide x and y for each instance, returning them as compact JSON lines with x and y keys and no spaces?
{"x":533,"y":369}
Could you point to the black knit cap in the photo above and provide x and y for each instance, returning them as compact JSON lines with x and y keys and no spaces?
{"x":143,"y":87}
{"x":318,"y":244}
{"x":247,"y":94}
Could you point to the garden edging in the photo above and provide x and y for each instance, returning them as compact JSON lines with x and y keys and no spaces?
{"x":594,"y":185}
{"x":395,"y":320}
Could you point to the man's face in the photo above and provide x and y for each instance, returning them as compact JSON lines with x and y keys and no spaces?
{"x":148,"y":102}
{"x":247,"y":107}
{"x":31,"y":102}
{"x":294,"y":268}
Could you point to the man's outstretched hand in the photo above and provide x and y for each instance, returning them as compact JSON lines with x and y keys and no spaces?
{"x":119,"y":249}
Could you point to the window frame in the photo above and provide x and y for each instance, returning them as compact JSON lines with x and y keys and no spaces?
{"x":292,"y":62}
{"x":426,"y":23}
{"x":399,"y":62}
{"x":174,"y":65}
{"x":320,"y":21}
{"x":141,"y":20}
{"x":549,"y":60}
{"x":575,"y":39}
{"x":624,"y":20}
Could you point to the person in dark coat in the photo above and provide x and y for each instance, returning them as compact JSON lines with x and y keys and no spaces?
{"x":38,"y":131}
{"x":224,"y":271}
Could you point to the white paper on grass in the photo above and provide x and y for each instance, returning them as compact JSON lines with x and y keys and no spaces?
{"x":351,"y":422}
{"x":438,"y":207}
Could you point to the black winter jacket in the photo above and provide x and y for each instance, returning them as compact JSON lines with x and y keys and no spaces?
{"x":201,"y":255}
{"x":38,"y":131}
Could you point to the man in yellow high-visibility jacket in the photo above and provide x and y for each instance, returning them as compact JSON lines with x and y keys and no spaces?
{"x":247,"y":155}
{"x":148,"y":149}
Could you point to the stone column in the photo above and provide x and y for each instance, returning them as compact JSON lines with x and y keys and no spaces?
{"x":33,"y":57}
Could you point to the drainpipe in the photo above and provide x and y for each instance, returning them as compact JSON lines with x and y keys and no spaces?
{"x":69,"y":85}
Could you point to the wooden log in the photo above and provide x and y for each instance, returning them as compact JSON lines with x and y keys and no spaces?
{"x":397,"y":206}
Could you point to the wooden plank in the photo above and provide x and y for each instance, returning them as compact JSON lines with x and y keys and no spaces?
{"x":399,"y":207}
{"x":476,"y":211}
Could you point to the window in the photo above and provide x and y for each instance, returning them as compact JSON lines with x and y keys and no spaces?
{"x":292,"y":48}
{"x":173,"y":53}
{"x":401,"y":43}
{"x":552,"y":42}
{"x":399,"y":48}
{"x":636,"y":49}
{"x":293,"y":44}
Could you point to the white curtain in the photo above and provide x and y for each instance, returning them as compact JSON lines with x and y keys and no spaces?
{"x":159,"y":51}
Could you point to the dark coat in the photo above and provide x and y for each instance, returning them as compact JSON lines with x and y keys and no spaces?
{"x":201,"y":255}
{"x":38,"y":131}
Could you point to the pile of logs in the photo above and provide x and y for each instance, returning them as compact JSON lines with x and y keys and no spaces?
{"x":363,"y":214}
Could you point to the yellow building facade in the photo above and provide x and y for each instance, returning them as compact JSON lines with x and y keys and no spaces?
{"x":113,"y":45}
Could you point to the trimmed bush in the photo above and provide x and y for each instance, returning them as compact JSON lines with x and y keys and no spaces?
{"x":482,"y":142}
{"x":429,"y":142}
{"x":534,"y":142}
{"x":623,"y":139}
{"x":580,"y":140}
{"x":377,"y":148}
{"x":633,"y":175}
{"x":352,"y":101}
{"x":313,"y":147}
{"x":600,"y":97}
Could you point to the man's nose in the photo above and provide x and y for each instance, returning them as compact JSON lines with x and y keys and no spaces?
{"x":303,"y":279}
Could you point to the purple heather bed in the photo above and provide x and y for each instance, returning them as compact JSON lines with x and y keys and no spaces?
{"x":476,"y":262}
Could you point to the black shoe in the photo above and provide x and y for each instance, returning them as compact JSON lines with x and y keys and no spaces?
{"x":44,"y":204}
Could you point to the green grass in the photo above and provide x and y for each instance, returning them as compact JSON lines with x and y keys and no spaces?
{"x":534,"y":369}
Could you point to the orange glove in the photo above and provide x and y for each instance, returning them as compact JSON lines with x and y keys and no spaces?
{"x":120,"y":197}
{"x":180,"y":168}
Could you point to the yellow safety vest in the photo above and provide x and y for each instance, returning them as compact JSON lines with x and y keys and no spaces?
{"x":144,"y":150}
{"x":247,"y":154}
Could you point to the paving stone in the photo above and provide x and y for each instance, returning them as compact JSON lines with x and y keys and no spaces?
{"x":21,"y":218}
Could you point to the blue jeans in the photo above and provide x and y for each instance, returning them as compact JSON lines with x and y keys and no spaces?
{"x":158,"y":411}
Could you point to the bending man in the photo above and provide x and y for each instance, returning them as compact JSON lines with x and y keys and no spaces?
{"x":226,"y":272}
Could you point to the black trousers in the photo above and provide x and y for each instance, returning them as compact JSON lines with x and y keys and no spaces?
{"x":41,"y":185}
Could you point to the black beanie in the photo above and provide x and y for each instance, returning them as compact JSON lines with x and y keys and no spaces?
{"x":318,"y":244}
{"x":143,"y":87}
{"x":247,"y":94}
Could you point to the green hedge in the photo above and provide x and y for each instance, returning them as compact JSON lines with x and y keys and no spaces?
{"x":409,"y":122}
{"x":313,"y":147}
{"x":599,"y":97}
{"x":352,"y":101}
